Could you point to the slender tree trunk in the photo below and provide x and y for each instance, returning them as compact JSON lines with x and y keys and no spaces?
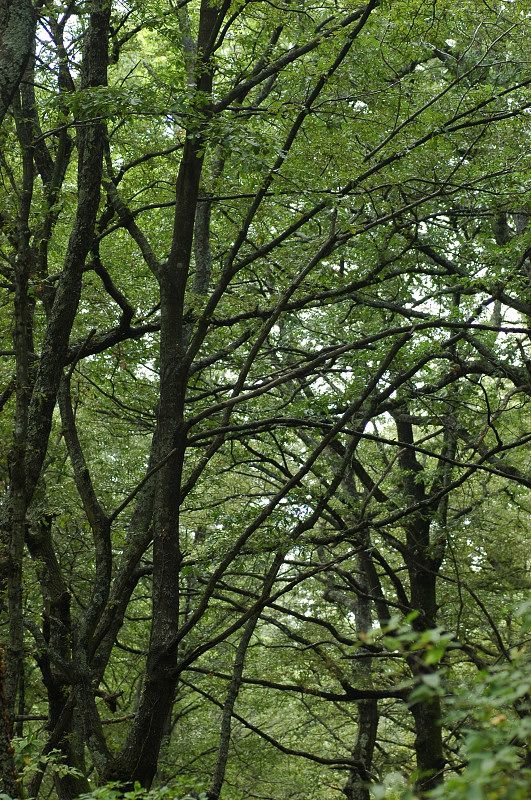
{"x":357,"y":785}
{"x":423,"y":567}
{"x":426,"y":714}
{"x":218,"y":776}
{"x":428,"y":744}
{"x":17,"y":33}
{"x":8,"y":777}
{"x":139,"y":756}
{"x":138,"y":760}
{"x":57,"y":630}
{"x":38,"y":380}
{"x":14,"y":514}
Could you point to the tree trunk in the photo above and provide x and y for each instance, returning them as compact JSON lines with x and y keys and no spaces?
{"x":427,"y":713}
{"x":139,"y":756}
{"x":8,"y":776}
{"x":17,"y":33}
{"x":423,"y":568}
{"x":357,"y":785}
{"x":428,"y":744}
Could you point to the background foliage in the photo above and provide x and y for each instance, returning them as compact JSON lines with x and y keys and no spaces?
{"x":265,"y":370}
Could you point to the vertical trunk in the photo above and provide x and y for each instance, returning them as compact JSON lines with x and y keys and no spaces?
{"x":428,"y":744}
{"x":8,"y":776}
{"x":427,"y":713}
{"x":218,"y":776}
{"x":423,"y":570}
{"x":71,"y":746}
{"x":15,"y":520}
{"x":37,"y":386}
{"x":57,"y":630}
{"x":357,"y":785}
{"x":203,"y":256}
{"x":36,"y":398}
{"x":17,"y":34}
{"x":90,"y":141}
{"x":138,"y":758}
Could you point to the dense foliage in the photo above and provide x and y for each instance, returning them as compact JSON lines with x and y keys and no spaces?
{"x":265,"y":277}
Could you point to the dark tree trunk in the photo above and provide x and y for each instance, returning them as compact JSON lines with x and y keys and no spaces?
{"x":357,"y":785}
{"x":427,"y":713}
{"x":428,"y":744}
{"x":8,"y":777}
{"x":138,"y":760}
{"x":57,"y":629}
{"x":423,"y":563}
{"x":38,"y":379}
{"x":218,"y":776}
{"x":139,"y":756}
{"x":17,"y":34}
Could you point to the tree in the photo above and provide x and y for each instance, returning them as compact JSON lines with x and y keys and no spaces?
{"x":260,"y":365}
{"x":17,"y":25}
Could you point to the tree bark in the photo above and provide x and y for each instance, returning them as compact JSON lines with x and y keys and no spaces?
{"x":55,"y":654}
{"x":138,"y":759}
{"x":218,"y":776}
{"x":357,"y":785}
{"x":17,"y":33}
{"x":423,"y":563}
{"x":8,"y":776}
{"x":37,"y":386}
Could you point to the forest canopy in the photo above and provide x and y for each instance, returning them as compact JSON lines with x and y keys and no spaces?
{"x":265,"y":279}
